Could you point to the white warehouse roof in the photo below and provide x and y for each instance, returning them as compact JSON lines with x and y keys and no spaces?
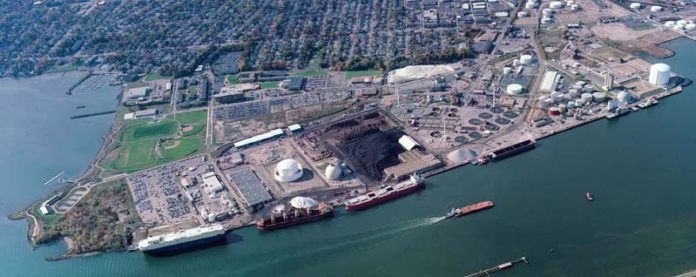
{"x":407,"y":142}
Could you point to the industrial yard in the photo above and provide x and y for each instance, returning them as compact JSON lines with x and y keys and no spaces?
{"x":230,"y":148}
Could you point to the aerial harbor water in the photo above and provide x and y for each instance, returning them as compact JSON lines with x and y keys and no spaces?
{"x":639,"y":169}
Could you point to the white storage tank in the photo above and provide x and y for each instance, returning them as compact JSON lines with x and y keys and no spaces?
{"x":547,"y":12}
{"x":570,"y":2}
{"x":586,"y":97}
{"x":515,"y":62}
{"x":333,"y":172}
{"x":514,"y":89}
{"x":556,"y":4}
{"x":571,"y":105}
{"x":574,"y":7}
{"x":682,"y":22}
{"x":507,"y":70}
{"x":546,"y":20}
{"x":635,"y":6}
{"x":659,"y":74}
{"x":655,"y":9}
{"x":522,"y":14}
{"x":669,"y":24}
{"x":526,"y":59}
{"x":623,"y":97}
{"x":530,"y":5}
{"x":573,"y":92}
{"x":562,"y":107}
{"x":599,"y":97}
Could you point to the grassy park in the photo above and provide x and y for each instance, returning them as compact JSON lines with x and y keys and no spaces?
{"x":363,"y":73}
{"x":146,"y":143}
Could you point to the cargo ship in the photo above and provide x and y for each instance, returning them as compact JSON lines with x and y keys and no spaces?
{"x":512,"y":150}
{"x":470,"y":209}
{"x":302,"y":210}
{"x":183,"y":240}
{"x":388,"y":193}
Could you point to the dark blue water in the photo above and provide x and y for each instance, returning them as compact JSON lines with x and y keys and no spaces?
{"x":640,"y":169}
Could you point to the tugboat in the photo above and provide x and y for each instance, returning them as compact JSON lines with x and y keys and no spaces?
{"x":302,"y":210}
{"x":469,"y":209}
{"x":589,"y":196}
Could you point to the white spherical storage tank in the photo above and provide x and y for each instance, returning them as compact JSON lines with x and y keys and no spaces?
{"x":659,"y":74}
{"x":288,"y":170}
{"x":623,"y":97}
{"x":333,"y":172}
{"x":514,"y":89}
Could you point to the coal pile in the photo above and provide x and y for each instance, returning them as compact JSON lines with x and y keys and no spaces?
{"x":371,"y":154}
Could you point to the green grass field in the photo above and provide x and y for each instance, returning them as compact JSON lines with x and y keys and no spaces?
{"x":363,"y":73}
{"x":232,"y":79}
{"x":269,"y":85}
{"x":312,"y":72}
{"x":137,"y":142}
{"x":156,"y":76}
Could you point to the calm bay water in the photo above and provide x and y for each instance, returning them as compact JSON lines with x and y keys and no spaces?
{"x":639,"y":167}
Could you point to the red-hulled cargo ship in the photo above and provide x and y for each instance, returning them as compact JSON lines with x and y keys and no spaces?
{"x":388,"y":193}
{"x":470,"y":209}
{"x":299,"y":213}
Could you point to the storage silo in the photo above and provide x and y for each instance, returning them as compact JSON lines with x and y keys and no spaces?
{"x":333,"y":172}
{"x":659,"y":74}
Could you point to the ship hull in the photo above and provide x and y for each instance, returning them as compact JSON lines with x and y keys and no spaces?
{"x":380,"y":200}
{"x":220,"y":239}
{"x":474,"y":211}
{"x":304,"y":220}
{"x":516,"y":149}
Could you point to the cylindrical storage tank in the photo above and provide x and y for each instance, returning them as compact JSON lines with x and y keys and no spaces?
{"x":507,"y":70}
{"x":678,"y":27}
{"x":690,"y":26}
{"x":669,"y":24}
{"x":580,"y":83}
{"x":579,"y":102}
{"x":635,"y":6}
{"x":547,"y":12}
{"x":526,"y":59}
{"x":682,"y":22}
{"x":586,"y":97}
{"x":554,"y":111}
{"x":556,"y":4}
{"x":574,"y":7}
{"x":599,"y":97}
{"x":655,"y":9}
{"x":530,"y":5}
{"x":570,"y":2}
{"x":562,"y":107}
{"x":548,"y":102}
{"x":543,"y":98}
{"x":515,"y":62}
{"x":546,"y":20}
{"x":573,"y":92}
{"x":571,"y":105}
{"x":659,"y":74}
{"x":514,"y":89}
{"x":522,"y":14}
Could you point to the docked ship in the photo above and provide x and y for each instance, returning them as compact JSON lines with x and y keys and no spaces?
{"x":470,"y":209}
{"x":388,"y":193}
{"x":619,"y":112}
{"x":512,"y":150}
{"x":302,"y":210}
{"x":182,"y":240}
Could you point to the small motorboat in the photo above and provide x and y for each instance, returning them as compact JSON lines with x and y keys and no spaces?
{"x":589,"y":196}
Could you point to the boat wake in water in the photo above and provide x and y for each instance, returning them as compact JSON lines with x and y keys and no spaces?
{"x":345,"y":244}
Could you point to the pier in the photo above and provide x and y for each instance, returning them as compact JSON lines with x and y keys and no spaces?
{"x":500,"y":267}
{"x":78,"y":83}
{"x":92,"y":114}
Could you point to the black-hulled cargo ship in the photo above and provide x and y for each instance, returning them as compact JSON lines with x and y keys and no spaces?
{"x":512,"y":150}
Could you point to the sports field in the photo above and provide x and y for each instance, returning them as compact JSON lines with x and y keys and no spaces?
{"x":146,"y":143}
